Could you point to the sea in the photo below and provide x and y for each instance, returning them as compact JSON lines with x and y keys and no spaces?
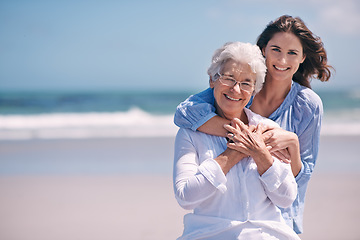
{"x":106,"y":114}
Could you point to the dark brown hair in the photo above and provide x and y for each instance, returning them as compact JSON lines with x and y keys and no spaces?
{"x":315,"y":64}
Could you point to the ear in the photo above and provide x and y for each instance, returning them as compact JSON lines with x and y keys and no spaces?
{"x":303,"y":59}
{"x":211,"y":83}
{"x":263,"y":52}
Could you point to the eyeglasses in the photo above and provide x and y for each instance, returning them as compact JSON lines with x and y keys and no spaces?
{"x":231,"y":82}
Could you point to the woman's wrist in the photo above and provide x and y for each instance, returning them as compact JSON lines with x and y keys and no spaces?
{"x":263,"y":160}
{"x":214,"y":126}
{"x":294,"y":151}
{"x":295,"y":140}
{"x":228,"y":159}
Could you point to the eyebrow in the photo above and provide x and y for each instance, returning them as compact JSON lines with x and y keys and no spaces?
{"x":228,"y":75}
{"x":275,"y":46}
{"x":246,"y":79}
{"x":293,"y":50}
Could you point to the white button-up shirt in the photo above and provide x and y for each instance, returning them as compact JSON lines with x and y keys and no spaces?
{"x":240,"y":205}
{"x":301,"y":113}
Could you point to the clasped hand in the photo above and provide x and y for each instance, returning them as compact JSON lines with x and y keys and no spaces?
{"x":252,"y":140}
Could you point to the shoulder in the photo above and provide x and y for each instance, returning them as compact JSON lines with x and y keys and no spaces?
{"x":201,"y":143}
{"x":192,"y":136}
{"x":307,"y":99}
{"x":207,"y":95}
{"x":184,"y":133}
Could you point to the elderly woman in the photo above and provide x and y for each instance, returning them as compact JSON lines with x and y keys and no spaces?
{"x":234,"y":194}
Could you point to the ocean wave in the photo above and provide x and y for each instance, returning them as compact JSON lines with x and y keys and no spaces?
{"x":133,"y":123}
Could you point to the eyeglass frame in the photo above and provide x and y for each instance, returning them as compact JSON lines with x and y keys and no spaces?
{"x":235,"y":82}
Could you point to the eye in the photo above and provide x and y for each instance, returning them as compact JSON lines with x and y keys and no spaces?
{"x":228,"y":79}
{"x":292,"y":53}
{"x":276,"y":49}
{"x":233,"y":81}
{"x":247,"y":84}
{"x":216,"y":76}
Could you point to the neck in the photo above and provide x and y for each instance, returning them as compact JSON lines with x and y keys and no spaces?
{"x":281,"y":89}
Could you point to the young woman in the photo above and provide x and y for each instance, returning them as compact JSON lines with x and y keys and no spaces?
{"x":293,"y":56}
{"x":234,"y":194}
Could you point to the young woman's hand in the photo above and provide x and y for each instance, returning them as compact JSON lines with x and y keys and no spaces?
{"x":282,"y":144}
{"x":277,"y":138}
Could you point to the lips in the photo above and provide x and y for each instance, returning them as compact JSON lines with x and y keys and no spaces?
{"x":232,"y":99}
{"x":280,"y":68}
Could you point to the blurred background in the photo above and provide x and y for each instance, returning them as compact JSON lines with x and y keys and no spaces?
{"x":153,"y":45}
{"x":89,"y":88}
{"x":139,"y":59}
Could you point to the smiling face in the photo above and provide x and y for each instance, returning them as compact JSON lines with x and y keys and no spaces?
{"x":230,"y":101}
{"x":283,"y":54}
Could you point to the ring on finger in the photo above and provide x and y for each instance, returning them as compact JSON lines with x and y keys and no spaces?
{"x":230,"y":138}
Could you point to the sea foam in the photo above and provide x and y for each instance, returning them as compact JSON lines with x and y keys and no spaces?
{"x":133,"y":123}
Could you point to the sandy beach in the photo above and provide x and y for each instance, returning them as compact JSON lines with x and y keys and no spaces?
{"x":121,"y":188}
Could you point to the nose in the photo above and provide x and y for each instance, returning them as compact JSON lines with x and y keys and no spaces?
{"x":282,"y":58}
{"x":236,"y":87}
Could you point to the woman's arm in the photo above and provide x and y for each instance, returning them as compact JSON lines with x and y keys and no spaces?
{"x":309,"y":139}
{"x":279,"y":184}
{"x":191,"y":186}
{"x":228,"y":159}
{"x":198,"y":113}
{"x":215,"y":126}
{"x":195,"y":182}
{"x":283,"y":144}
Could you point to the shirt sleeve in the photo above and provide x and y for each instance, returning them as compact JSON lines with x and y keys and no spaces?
{"x":195,"y":110}
{"x":279,"y":184}
{"x":194,"y":182}
{"x":308,"y":113}
{"x":309,"y":139}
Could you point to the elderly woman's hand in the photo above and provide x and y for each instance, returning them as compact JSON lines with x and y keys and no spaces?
{"x":247,"y":140}
{"x":244,"y":138}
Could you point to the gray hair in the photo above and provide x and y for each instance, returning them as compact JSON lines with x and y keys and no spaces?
{"x":240,"y":52}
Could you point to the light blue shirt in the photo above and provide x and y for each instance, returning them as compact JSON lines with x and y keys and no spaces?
{"x":301,"y":113}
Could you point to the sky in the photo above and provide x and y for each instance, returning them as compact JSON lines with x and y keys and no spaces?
{"x":154,"y":45}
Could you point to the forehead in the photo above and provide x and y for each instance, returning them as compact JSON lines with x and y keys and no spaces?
{"x":235,"y":68}
{"x":285,"y":40}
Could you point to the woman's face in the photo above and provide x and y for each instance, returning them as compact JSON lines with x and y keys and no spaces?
{"x":283,"y":54}
{"x":231,"y":100}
